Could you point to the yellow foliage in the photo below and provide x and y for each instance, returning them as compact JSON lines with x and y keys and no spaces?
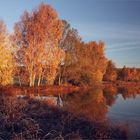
{"x":6,"y":58}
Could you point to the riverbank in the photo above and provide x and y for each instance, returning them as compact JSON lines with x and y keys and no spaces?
{"x":30,"y":119}
{"x":42,"y":90}
{"x":121,"y":83}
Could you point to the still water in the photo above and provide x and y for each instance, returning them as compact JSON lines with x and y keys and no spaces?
{"x":116,"y":105}
{"x":127,"y":111}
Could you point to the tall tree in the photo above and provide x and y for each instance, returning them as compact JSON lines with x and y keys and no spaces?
{"x":92,"y":62}
{"x":87,"y":63}
{"x":68,"y":43}
{"x":97,"y":59}
{"x":6,"y":57}
{"x":84,"y":62}
{"x":38,"y":33}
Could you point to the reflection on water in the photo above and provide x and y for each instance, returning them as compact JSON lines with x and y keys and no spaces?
{"x":98,"y":105}
{"x":91,"y":105}
{"x":119,"y":104}
{"x":111,"y":103}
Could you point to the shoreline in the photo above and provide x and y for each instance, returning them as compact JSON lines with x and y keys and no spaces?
{"x":42,"y":90}
{"x":120,"y":83}
{"x":62,"y":89}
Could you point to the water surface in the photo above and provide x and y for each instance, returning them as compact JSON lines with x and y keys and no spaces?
{"x":116,"y":105}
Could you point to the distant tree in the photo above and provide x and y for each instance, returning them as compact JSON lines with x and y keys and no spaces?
{"x":129,"y":74}
{"x":37,"y":35}
{"x":6,"y":57}
{"x":111,"y":72}
{"x":138,"y":74}
{"x":123,"y":74}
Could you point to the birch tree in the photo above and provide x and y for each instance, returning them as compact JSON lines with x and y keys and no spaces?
{"x":36,"y":33}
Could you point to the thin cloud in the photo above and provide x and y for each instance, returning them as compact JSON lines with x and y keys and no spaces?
{"x":129,"y":43}
{"x":108,"y":31}
{"x":123,"y":46}
{"x":123,"y":49}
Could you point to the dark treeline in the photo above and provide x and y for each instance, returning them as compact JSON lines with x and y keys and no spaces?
{"x":125,"y":74}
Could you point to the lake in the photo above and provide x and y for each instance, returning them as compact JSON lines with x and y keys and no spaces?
{"x":116,"y":105}
{"x":108,"y":112}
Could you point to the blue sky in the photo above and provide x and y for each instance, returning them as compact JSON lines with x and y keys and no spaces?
{"x":116,"y":22}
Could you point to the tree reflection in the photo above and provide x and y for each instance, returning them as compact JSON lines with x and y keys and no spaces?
{"x":94,"y":104}
{"x":129,"y":92}
{"x":91,"y":105}
{"x":110,"y":93}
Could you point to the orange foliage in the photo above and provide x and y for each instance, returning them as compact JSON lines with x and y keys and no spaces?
{"x":90,"y":64}
{"x":35,"y":33}
{"x":111,"y":72}
{"x":129,"y":74}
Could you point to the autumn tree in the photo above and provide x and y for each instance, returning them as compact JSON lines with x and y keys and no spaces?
{"x":68,"y":43}
{"x":6,"y":57}
{"x":53,"y":63}
{"x":97,"y":60}
{"x":87,"y":63}
{"x":138,"y":74}
{"x":111,"y":72}
{"x":91,"y":62}
{"x":84,"y":63}
{"x":128,"y":74}
{"x":133,"y":76}
{"x":37,"y":35}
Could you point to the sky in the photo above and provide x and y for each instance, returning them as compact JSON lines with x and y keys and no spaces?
{"x":116,"y":22}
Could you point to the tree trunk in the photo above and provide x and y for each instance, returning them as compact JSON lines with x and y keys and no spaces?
{"x":19,"y":80}
{"x":39,"y":80}
{"x":59,"y":80}
{"x":30,"y":80}
{"x":33,"y":83}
